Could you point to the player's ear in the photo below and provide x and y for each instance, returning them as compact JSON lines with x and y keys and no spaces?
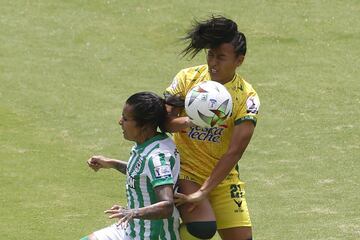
{"x":240,"y":60}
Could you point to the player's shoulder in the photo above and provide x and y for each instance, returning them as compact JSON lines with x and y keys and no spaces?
{"x":167,"y":142}
{"x":250,"y":97}
{"x":194,"y":72}
{"x":244,"y":86}
{"x":186,"y":78}
{"x":193,"y":69}
{"x":164,"y":143}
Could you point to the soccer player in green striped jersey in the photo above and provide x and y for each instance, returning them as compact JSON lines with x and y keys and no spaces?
{"x":151,"y":173}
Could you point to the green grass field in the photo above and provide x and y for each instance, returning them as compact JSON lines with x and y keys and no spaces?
{"x":67,"y":66}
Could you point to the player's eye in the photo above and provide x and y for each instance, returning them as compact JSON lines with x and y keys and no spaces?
{"x":221,"y":58}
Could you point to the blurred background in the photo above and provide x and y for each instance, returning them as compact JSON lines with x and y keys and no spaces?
{"x":66,"y":67}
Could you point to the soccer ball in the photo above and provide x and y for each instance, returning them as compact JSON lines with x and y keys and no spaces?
{"x":208,"y":104}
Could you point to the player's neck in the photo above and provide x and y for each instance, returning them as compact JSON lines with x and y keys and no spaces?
{"x":227,"y":80}
{"x":146,"y":135}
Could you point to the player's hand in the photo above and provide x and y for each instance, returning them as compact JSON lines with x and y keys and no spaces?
{"x":194,"y":199}
{"x":124,"y":215}
{"x":97,"y":162}
{"x":189,"y":122}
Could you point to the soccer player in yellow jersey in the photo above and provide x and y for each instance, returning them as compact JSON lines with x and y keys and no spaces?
{"x":211,"y":195}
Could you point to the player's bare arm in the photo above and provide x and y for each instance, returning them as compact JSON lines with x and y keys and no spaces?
{"x":162,"y":209}
{"x":98,"y":162}
{"x":174,"y":123}
{"x":240,"y":139}
{"x":120,"y":165}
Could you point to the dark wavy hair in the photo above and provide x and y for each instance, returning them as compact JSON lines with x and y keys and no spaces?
{"x":212,"y":33}
{"x":148,"y":109}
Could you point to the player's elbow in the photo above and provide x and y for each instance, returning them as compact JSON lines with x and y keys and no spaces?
{"x":235,"y":154}
{"x":169,"y":126}
{"x":173,"y":125}
{"x":168,"y":209}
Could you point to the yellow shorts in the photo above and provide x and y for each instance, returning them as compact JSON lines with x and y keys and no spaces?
{"x":227,"y":200}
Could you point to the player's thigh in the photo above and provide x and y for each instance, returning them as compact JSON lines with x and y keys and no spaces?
{"x":229,"y":205}
{"x":202,"y":212}
{"x":237,"y":233}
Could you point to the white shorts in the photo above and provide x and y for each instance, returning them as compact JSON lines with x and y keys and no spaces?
{"x":111,"y":233}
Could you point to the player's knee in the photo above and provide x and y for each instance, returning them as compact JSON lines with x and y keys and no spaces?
{"x":202,"y":230}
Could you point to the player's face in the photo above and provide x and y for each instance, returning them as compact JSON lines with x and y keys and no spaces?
{"x":129,"y":126}
{"x":222,"y":62}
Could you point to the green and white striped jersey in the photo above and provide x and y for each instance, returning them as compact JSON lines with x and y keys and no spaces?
{"x":153,"y":163}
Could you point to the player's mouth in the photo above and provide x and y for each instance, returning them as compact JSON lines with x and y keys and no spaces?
{"x":214,"y":74}
{"x":213,"y":71}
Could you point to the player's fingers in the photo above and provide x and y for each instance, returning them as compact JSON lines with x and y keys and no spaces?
{"x":115,"y":207}
{"x":120,"y":222}
{"x":178,"y":202}
{"x":92,"y":163}
{"x":89,"y":163}
{"x":116,"y":215}
{"x":111,"y":211}
{"x":125,"y":223}
{"x":191,"y":207}
{"x":91,"y":160}
{"x":179,"y":196}
{"x":127,"y":218}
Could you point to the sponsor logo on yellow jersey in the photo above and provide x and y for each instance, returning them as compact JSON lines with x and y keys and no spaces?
{"x":212,"y":134}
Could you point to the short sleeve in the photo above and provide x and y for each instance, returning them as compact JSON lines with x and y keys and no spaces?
{"x":159,"y":169}
{"x":249,"y":109}
{"x":177,"y":86}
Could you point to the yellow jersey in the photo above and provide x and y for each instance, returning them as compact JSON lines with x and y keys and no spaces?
{"x":201,"y":148}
